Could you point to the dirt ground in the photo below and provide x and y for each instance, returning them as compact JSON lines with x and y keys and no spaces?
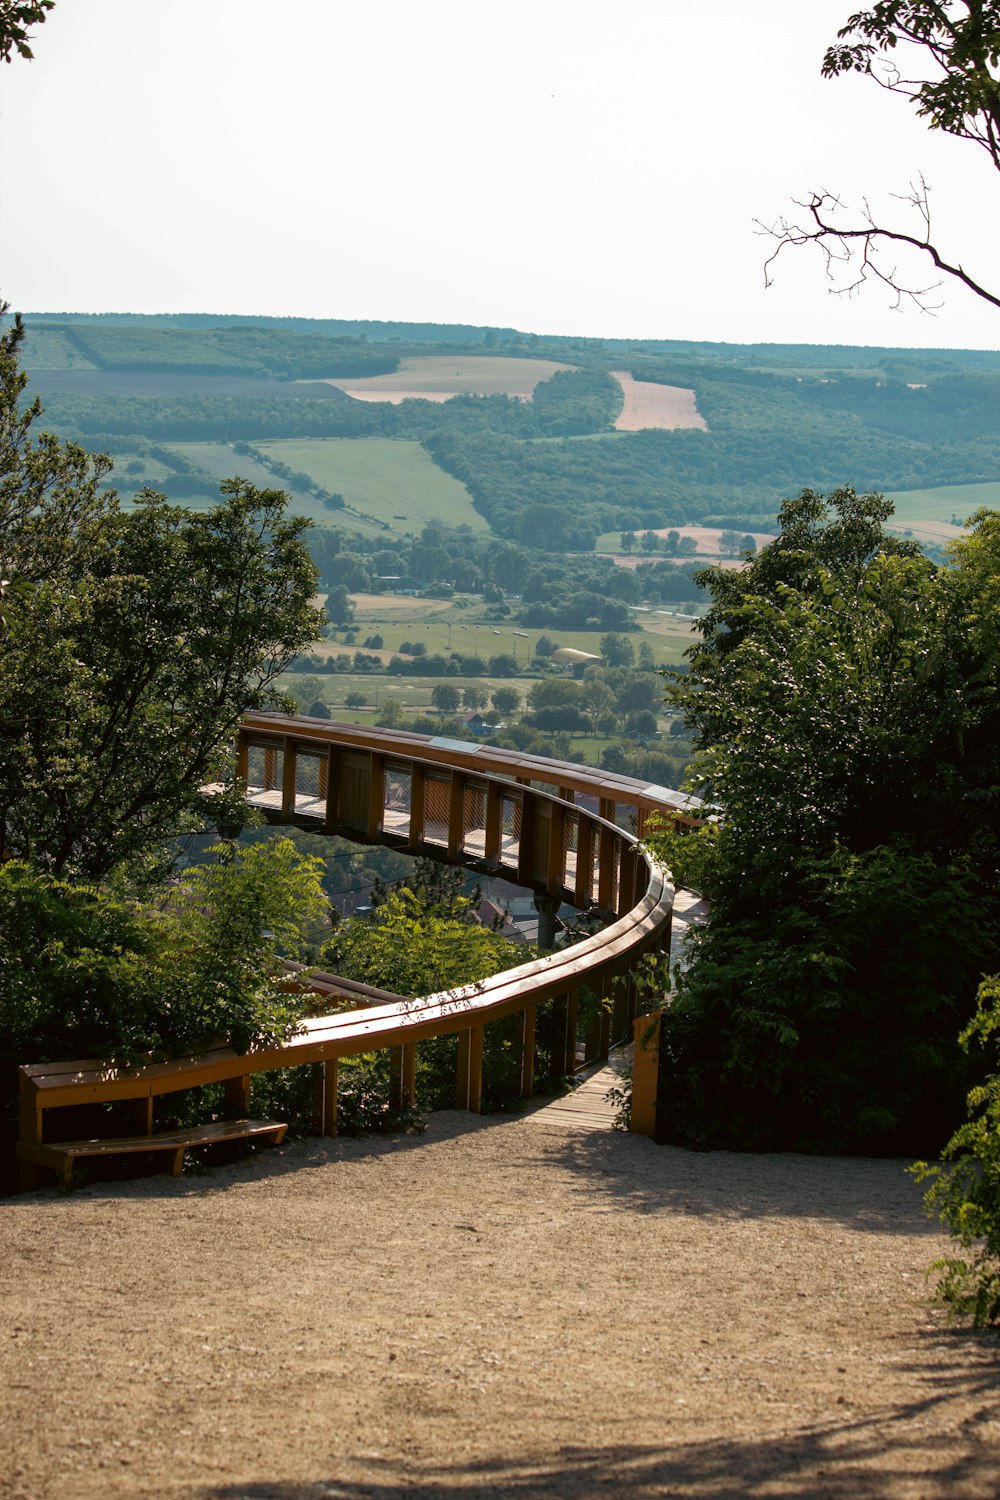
{"x":507,"y":1307}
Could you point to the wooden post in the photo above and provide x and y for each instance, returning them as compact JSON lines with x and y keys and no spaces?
{"x":270,"y":768}
{"x":456,"y":815}
{"x":555,"y":871}
{"x":376,"y":795}
{"x":402,"y":1076}
{"x":410,"y":1073}
{"x":476,"y":1069}
{"x":288,"y":774}
{"x":236,"y":1097}
{"x":469,"y":1082}
{"x":242,"y":757}
{"x":528,"y":1051}
{"x":606,"y":868}
{"x":333,"y":779}
{"x":417,"y":804}
{"x":494,"y":807}
{"x":645,"y":1073}
{"x":141,"y":1113}
{"x":330,"y":1070}
{"x":462,"y":1071}
{"x":572,"y":1012}
{"x":584,"y":860}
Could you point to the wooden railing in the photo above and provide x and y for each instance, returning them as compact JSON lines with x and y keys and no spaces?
{"x":564,"y":831}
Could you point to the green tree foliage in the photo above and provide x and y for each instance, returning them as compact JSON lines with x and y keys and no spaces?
{"x":505,"y":701}
{"x":446,"y":698}
{"x":86,"y":971}
{"x":414,"y":949}
{"x":846,"y":718}
{"x":965,"y":1195}
{"x":132,"y":644}
{"x":16,"y":19}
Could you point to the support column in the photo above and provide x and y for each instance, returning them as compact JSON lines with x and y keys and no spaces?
{"x":236,"y":1097}
{"x":417,"y":804}
{"x":546,"y":907}
{"x":528,"y":1052}
{"x":402,"y":1076}
{"x":288,"y":774}
{"x":331,"y":1068}
{"x":469,"y":1082}
{"x":645,"y":1073}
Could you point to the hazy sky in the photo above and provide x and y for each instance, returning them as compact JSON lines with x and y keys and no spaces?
{"x":562,"y":166}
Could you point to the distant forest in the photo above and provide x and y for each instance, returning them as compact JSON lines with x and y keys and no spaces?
{"x":550,"y":474}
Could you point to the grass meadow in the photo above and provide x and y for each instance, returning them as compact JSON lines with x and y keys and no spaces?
{"x":461,"y":625}
{"x":391,"y":480}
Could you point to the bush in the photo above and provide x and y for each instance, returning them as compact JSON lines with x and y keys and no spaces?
{"x":827,"y":1025}
{"x":966,"y":1195}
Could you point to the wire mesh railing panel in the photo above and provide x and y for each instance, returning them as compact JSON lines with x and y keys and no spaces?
{"x":627,"y":817}
{"x":398,"y":801}
{"x":264,"y":772}
{"x":571,"y":844}
{"x":474,"y":819}
{"x":310,"y":784}
{"x":437,"y":800}
{"x":510,"y":830}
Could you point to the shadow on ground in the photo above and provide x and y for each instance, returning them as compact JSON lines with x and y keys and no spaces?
{"x":604,"y":1166}
{"x":914,"y":1450}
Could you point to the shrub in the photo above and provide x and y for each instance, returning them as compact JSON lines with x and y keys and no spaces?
{"x":966,"y":1195}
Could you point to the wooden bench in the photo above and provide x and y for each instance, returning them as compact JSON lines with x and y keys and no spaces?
{"x":61,"y":1156}
{"x":48,"y":1087}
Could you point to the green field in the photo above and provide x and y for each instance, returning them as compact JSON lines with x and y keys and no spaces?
{"x":461,"y":626}
{"x":219,"y":460}
{"x":953,"y":500}
{"x":395,"y":482}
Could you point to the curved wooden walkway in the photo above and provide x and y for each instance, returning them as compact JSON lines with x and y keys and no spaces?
{"x":568,"y":833}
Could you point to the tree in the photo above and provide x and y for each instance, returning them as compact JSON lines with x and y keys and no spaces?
{"x":506,"y":701}
{"x":842,"y":698}
{"x":85,"y":971}
{"x":412,"y":949}
{"x":355,"y":699}
{"x":446,"y":697}
{"x":952,"y":49}
{"x":965,"y":1193}
{"x":474,"y":696}
{"x":617,"y":650}
{"x":554,"y":692}
{"x":16,"y":17}
{"x":133,"y":643}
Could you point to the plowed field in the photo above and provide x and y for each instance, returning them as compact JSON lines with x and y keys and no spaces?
{"x":651,"y":405}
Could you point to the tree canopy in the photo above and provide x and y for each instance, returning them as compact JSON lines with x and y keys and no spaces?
{"x":133,"y":641}
{"x":844,"y":699}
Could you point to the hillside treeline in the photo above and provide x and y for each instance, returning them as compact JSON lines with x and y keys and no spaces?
{"x":778,"y":418}
{"x":582,"y":591}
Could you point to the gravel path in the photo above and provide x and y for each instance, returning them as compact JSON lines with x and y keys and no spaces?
{"x":508,"y":1307}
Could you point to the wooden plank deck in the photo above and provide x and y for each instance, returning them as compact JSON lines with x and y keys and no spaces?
{"x":587,"y":1107}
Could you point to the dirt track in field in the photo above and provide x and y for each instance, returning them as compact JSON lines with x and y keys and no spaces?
{"x":508,"y":1307}
{"x":650,"y":405}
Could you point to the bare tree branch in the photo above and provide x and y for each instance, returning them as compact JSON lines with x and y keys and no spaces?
{"x":954,"y":49}
{"x":856,"y":253}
